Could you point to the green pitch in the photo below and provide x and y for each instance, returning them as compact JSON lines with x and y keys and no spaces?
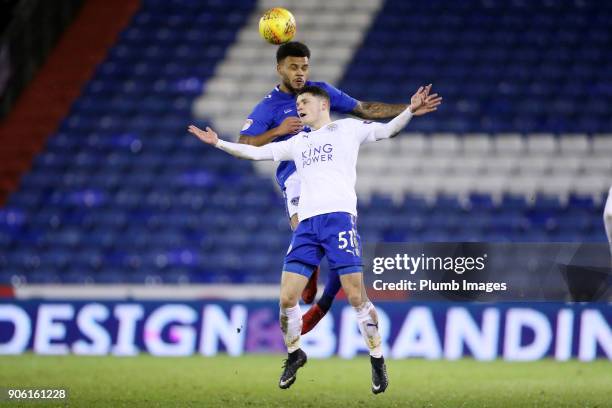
{"x":251,"y":381}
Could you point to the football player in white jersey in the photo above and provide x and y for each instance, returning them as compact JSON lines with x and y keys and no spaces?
{"x":326,"y":161}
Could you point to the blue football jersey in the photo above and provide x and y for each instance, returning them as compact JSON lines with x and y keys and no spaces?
{"x":277,"y":106}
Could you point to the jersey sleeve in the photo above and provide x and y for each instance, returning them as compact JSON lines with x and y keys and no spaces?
{"x":365,"y":131}
{"x":258,"y":122}
{"x":282,"y":151}
{"x":339,"y":101}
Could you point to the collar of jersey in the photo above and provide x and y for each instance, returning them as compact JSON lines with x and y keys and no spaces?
{"x":286,"y":95}
{"x":322,"y":127}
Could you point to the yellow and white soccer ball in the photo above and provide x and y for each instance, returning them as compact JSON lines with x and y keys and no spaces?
{"x":277,"y":25}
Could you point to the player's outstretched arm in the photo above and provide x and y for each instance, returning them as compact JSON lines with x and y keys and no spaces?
{"x":289,"y":126}
{"x":421,"y":101}
{"x":380,"y":110}
{"x":241,"y":151}
{"x":377,"y":110}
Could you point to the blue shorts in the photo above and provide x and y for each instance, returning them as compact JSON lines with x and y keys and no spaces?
{"x":333,"y":235}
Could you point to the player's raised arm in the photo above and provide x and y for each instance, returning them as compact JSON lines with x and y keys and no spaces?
{"x":377,"y":110}
{"x":241,"y":151}
{"x":420,"y":104}
{"x":381,"y":110}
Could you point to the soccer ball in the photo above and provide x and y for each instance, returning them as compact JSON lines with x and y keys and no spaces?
{"x":277,"y":26}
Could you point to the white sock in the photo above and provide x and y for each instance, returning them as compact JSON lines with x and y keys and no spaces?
{"x":367,"y":318}
{"x":291,"y":326}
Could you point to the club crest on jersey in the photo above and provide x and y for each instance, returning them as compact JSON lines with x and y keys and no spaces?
{"x":295,"y":201}
{"x":332,"y":127}
{"x":247,"y":124}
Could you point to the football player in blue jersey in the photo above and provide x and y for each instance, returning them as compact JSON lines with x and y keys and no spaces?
{"x":275,"y":119}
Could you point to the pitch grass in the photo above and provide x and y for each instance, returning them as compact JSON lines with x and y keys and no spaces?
{"x":251,"y":381}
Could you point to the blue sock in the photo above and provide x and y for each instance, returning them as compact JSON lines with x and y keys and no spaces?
{"x":331,"y":289}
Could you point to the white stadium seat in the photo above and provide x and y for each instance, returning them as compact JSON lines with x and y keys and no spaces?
{"x":522,"y":186}
{"x":457,"y":184}
{"x":574,"y":144}
{"x":468,"y":165}
{"x":427,"y":185}
{"x":445,"y":143}
{"x":534,"y":165}
{"x":436,"y":165}
{"x":494,"y":184}
{"x":554,"y":186}
{"x":501,"y":164}
{"x":542,"y":143}
{"x":509,"y":143}
{"x":477,"y":143}
{"x":413,"y":144}
{"x":405,"y":166}
{"x":598,"y":165}
{"x":602,"y":144}
{"x":591,"y":185}
{"x":210,"y":108}
{"x":566,"y":166}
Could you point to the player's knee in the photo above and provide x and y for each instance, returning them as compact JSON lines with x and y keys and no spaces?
{"x":288,"y":300}
{"x":355,"y":299}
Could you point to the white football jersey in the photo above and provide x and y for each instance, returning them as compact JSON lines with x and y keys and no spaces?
{"x":326,"y":161}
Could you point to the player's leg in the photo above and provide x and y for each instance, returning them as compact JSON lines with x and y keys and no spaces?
{"x":343,"y":249}
{"x":304,"y":252}
{"x":367,"y":320}
{"x":366,"y":312}
{"x":290,"y":319}
{"x":292,"y":199}
{"x":320,"y":309}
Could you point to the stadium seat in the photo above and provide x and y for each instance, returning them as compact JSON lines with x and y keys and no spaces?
{"x":121,"y":194}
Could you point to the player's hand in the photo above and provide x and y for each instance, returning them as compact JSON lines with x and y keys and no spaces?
{"x":207,"y":136}
{"x":290,"y":126}
{"x":422,"y":102}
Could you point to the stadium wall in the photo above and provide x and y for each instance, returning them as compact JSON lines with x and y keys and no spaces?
{"x":508,"y":331}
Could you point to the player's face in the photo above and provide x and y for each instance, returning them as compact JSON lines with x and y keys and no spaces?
{"x":293,"y":72}
{"x":309,"y":108}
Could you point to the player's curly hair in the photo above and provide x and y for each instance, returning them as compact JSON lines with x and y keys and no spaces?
{"x":292,"y":49}
{"x":314,"y":90}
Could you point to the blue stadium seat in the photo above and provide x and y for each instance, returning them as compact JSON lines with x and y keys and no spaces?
{"x":121,"y":194}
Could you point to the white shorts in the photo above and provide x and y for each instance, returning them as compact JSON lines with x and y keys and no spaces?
{"x":292,"y":194}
